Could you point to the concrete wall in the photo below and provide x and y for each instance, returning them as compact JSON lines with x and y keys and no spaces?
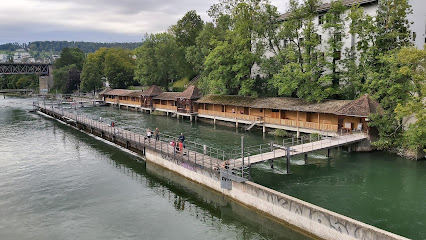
{"x":310,"y":218}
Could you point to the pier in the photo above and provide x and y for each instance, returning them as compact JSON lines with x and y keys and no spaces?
{"x":194,"y":154}
{"x":202,"y":168}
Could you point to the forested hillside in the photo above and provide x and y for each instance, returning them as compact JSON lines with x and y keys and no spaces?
{"x":57,"y":46}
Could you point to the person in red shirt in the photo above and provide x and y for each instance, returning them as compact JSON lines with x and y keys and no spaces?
{"x":180,"y":147}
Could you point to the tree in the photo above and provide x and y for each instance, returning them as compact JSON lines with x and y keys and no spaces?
{"x":91,"y":74}
{"x":335,"y":26}
{"x":71,"y":56}
{"x":119,"y":67}
{"x":303,"y":63}
{"x":187,"y":29}
{"x":160,"y":61}
{"x":66,"y":79}
{"x":227,"y":69}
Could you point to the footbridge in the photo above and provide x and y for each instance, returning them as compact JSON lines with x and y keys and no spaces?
{"x":290,"y":147}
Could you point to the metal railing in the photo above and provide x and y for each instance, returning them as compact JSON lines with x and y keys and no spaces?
{"x":200,"y":155}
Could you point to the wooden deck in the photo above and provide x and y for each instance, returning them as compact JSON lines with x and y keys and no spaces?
{"x":280,"y":151}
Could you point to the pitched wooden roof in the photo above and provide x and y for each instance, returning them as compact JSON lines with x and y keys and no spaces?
{"x":280,"y":103}
{"x":192,"y":92}
{"x":105,"y":91}
{"x":123,"y":92}
{"x":119,"y":92}
{"x":135,"y":93}
{"x":152,"y":91}
{"x":362,"y":107}
{"x":232,"y":100}
{"x":167,"y":96}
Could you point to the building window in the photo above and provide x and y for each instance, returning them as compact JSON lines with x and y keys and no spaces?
{"x":320,"y":19}
{"x":337,"y":55}
{"x":338,"y":37}
{"x":414,"y":36}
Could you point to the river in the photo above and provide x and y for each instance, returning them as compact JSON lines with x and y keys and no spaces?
{"x":59,"y":183}
{"x":63,"y":182}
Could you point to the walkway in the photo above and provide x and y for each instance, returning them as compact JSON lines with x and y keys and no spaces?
{"x":279,"y":151}
{"x":193,"y":156}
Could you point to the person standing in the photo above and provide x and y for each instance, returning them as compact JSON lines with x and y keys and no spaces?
{"x":182,"y":139}
{"x":148,"y":134}
{"x":157,"y":134}
{"x":181,"y":147}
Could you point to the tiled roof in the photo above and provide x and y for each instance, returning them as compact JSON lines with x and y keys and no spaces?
{"x":152,"y":91}
{"x":326,"y":6}
{"x":362,"y":107}
{"x":168,"y":96}
{"x":192,"y":92}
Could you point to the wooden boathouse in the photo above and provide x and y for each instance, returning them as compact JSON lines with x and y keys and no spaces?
{"x":329,"y":117}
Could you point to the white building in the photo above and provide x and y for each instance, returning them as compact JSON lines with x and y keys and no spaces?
{"x":418,"y":27}
{"x":418,"y":18}
{"x":21,"y":56}
{"x":4,"y":58}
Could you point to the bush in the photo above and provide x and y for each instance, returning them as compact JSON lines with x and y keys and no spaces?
{"x":180,"y":86}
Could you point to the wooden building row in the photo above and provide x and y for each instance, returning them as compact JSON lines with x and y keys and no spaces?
{"x":154,"y":98}
{"x":273,"y":112}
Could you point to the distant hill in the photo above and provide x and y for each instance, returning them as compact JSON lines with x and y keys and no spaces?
{"x":57,"y":46}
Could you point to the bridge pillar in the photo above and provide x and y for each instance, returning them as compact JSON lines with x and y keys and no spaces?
{"x":306,"y":158}
{"x":264,"y":128}
{"x":45,"y":82}
{"x":236,"y":124}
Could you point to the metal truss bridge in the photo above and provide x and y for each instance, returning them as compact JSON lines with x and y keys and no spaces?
{"x":24,"y":68}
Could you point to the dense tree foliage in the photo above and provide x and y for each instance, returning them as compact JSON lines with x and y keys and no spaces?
{"x":113,"y":64}
{"x":66,"y":79}
{"x":161,"y":60}
{"x":66,"y":73}
{"x":70,"y":56}
{"x":18,"y":81}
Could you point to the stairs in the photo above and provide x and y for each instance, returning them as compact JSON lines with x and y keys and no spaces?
{"x":252,"y":125}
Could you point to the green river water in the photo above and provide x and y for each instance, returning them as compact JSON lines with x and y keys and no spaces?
{"x":58,"y":183}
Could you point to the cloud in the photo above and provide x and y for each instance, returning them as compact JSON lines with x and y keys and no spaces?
{"x":30,"y":20}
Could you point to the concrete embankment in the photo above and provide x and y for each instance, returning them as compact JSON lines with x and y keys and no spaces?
{"x":305,"y":216}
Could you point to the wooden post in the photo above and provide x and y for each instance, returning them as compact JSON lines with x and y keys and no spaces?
{"x":319,"y":126}
{"x":242,"y":156}
{"x":288,"y":160}
{"x":328,"y":152}
{"x":306,"y":158}
{"x":297,"y":124}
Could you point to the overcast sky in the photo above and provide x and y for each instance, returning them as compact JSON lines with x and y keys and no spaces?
{"x":95,"y":20}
